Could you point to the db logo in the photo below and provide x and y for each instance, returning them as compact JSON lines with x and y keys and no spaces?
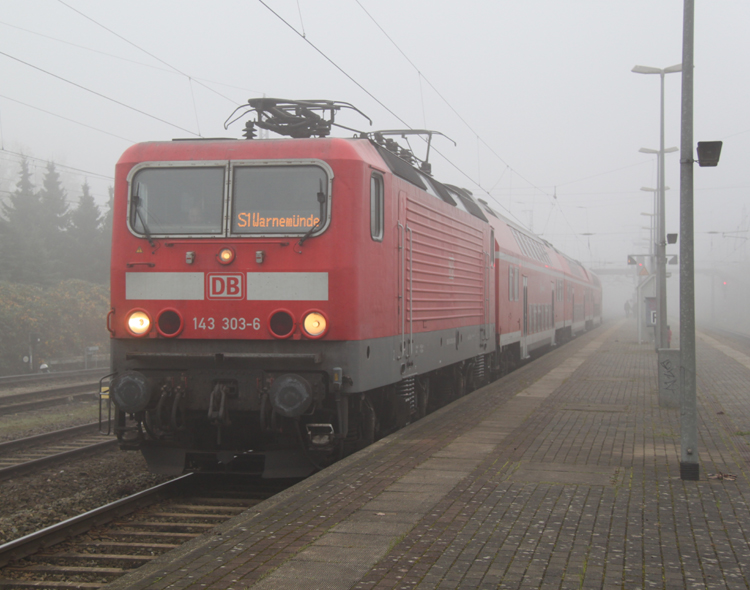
{"x":224,"y":286}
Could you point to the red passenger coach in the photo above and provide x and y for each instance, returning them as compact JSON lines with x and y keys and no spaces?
{"x":278,"y":304}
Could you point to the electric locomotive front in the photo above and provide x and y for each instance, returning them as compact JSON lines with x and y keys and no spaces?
{"x":237,"y":272}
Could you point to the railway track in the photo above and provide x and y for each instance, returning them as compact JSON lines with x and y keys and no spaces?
{"x":93,"y":549}
{"x":34,"y":400}
{"x":84,"y":375}
{"x":27,"y":455}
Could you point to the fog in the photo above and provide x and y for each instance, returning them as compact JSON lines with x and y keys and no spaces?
{"x":539,"y":97}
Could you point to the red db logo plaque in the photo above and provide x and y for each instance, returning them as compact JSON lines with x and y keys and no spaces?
{"x":224,"y":285}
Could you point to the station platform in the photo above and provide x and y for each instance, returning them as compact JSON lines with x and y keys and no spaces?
{"x":564,"y":474}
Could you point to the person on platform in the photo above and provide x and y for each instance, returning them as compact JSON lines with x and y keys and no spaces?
{"x":627,"y":309}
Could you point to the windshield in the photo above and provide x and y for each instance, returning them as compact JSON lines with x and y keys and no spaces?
{"x":174,"y":200}
{"x":279,"y":200}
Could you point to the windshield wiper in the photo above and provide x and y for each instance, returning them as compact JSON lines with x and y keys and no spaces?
{"x":317,"y":226}
{"x":137,"y":205}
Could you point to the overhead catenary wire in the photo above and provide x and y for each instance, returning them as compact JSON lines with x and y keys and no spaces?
{"x":129,"y":42}
{"x":333,"y":63}
{"x":478,"y":137}
{"x":376,"y":99}
{"x":72,"y":168}
{"x":132,"y":61}
{"x":445,"y":100}
{"x":553,"y":198}
{"x":66,"y":118}
{"x":99,"y":94}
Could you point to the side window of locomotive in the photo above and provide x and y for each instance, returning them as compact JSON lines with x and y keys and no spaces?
{"x":177,"y":201}
{"x":376,"y":207}
{"x":281,"y":200}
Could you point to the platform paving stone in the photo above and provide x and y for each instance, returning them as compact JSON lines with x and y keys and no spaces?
{"x":564,"y":474}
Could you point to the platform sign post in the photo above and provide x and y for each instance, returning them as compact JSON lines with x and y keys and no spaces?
{"x":669,"y":378}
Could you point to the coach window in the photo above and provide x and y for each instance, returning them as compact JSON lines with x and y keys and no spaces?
{"x":173,"y":200}
{"x":279,"y":199}
{"x":376,"y":207}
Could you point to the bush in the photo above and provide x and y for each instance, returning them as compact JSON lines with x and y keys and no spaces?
{"x":68,"y":317}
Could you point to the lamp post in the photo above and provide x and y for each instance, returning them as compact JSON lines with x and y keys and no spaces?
{"x":661,"y":257}
{"x":660,"y":243}
{"x":689,"y":456}
{"x":651,"y":238}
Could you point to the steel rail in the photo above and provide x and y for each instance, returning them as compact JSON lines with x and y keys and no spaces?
{"x":77,"y":525}
{"x":36,"y":464}
{"x":53,"y":436}
{"x":35,"y":400}
{"x":13,"y":380}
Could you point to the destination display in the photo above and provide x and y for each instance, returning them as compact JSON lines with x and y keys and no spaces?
{"x":261,"y":220}
{"x":278,"y":199}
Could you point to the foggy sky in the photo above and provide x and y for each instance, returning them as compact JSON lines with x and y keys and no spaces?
{"x":539,"y":96}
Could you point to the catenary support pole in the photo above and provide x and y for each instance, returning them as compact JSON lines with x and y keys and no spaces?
{"x":689,"y":465}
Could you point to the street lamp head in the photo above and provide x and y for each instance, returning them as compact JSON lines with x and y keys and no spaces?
{"x":708,"y":153}
{"x":646,"y":70}
{"x":650,"y":70}
{"x":650,"y":151}
{"x":653,"y":190}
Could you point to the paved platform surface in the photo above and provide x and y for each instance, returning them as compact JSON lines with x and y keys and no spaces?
{"x":564,"y":474}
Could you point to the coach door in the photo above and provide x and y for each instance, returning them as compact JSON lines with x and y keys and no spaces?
{"x":525,"y":327}
{"x":404,"y":281}
{"x":552,"y":319}
{"x":487,"y":288}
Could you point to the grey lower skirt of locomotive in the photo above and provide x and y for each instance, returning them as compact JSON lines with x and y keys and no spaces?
{"x":279,"y":414}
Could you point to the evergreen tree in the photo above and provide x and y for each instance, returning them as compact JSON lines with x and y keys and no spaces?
{"x":55,"y":217}
{"x":85,"y":260}
{"x":105,"y":235}
{"x":23,"y":252}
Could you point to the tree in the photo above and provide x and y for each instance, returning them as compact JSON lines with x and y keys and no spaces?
{"x":85,"y":260}
{"x":105,"y":231}
{"x":55,"y":218}
{"x":67,"y":318}
{"x":23,"y":246}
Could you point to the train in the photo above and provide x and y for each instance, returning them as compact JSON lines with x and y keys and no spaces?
{"x":278,"y":304}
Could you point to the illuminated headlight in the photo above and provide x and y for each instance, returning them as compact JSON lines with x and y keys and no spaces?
{"x":315,"y":324}
{"x":138,"y":322}
{"x":225,"y":255}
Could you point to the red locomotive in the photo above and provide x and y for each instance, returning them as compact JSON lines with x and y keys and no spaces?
{"x":277,"y":304}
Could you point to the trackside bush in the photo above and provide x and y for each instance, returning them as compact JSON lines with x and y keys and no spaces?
{"x":67,"y":316}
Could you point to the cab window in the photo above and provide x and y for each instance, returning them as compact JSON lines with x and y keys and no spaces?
{"x":174,"y":200}
{"x":376,"y":207}
{"x":279,"y":200}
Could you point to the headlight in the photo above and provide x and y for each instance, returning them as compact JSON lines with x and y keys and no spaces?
{"x":138,"y":322}
{"x":315,"y":324}
{"x":225,"y":255}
